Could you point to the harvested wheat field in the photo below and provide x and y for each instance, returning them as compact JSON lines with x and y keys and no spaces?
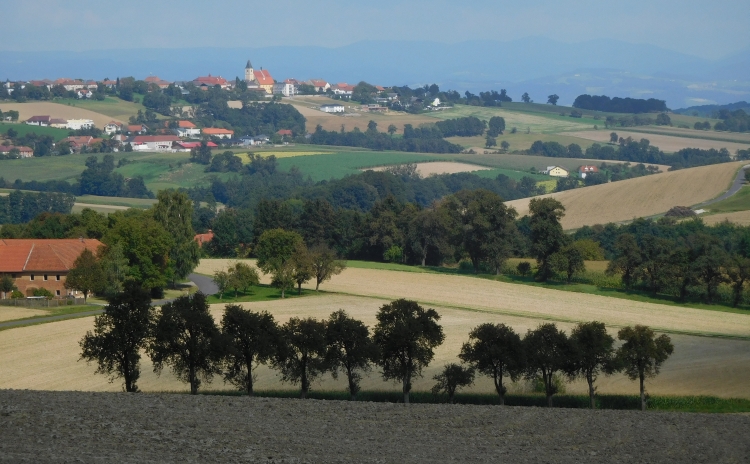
{"x":133,"y":428}
{"x":439,"y":167}
{"x":641,"y":197}
{"x":45,"y":357}
{"x":667,"y":143}
{"x":57,"y":110}
{"x":10,"y":313}
{"x":741,"y":218}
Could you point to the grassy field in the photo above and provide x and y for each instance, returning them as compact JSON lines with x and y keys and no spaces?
{"x":58,"y":110}
{"x":735,"y":137}
{"x":666,"y":143}
{"x":23,"y":129}
{"x":521,"y":141}
{"x":740,"y":201}
{"x":257,"y":293}
{"x":641,"y":197}
{"x":113,"y":107}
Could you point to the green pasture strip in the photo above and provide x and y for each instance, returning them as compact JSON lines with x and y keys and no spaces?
{"x":740,"y":201}
{"x":521,"y":141}
{"x":257,"y":293}
{"x":694,"y":134}
{"x":590,"y":283}
{"x":23,"y":129}
{"x":110,"y":106}
{"x":704,"y":404}
{"x":522,"y":162}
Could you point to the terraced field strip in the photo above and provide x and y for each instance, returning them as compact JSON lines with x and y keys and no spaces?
{"x":641,"y":197}
{"x":667,"y":143}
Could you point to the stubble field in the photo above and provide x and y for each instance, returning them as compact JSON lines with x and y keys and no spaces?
{"x":57,"y":110}
{"x":667,"y":143}
{"x":741,"y":218}
{"x":640,"y":197}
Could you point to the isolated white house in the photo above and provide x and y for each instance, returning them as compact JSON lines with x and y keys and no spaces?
{"x":556,"y":171}
{"x":78,"y":124}
{"x":583,"y":171}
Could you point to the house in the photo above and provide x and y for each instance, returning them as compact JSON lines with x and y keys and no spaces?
{"x":23,"y":152}
{"x":162,"y":84}
{"x":152,"y":142}
{"x":255,"y":140}
{"x":206,"y":82}
{"x":43,"y":83}
{"x":204,"y":238}
{"x":80,"y":141}
{"x":285,"y":132}
{"x":109,"y":84}
{"x":42,"y":263}
{"x":58,"y":123}
{"x":136,"y":129}
{"x":343,"y":89}
{"x":84,"y":93}
{"x":186,"y":129}
{"x":333,"y":108}
{"x":556,"y":171}
{"x":187,"y":146}
{"x":319,"y":84}
{"x":112,"y":127}
{"x":74,"y":85}
{"x":285,"y":89}
{"x":38,"y":121}
{"x":583,"y":171}
{"x":218,"y":132}
{"x":78,"y":124}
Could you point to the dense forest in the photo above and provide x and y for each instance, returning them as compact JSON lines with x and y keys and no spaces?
{"x":20,"y":207}
{"x":421,"y":139}
{"x":619,"y":105}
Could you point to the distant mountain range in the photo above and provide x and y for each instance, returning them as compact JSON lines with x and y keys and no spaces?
{"x":536,"y":65}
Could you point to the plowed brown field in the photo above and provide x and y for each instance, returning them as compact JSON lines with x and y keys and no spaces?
{"x":641,"y":197}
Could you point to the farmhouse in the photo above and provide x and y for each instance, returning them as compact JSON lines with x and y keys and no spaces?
{"x":583,"y":171}
{"x":78,"y":142}
{"x":162,"y":84}
{"x":152,"y":142}
{"x":204,"y":238}
{"x":255,"y":140}
{"x":556,"y":171}
{"x":78,"y":124}
{"x":58,"y":123}
{"x":217,"y":132}
{"x":42,"y":263}
{"x":136,"y":129}
{"x":21,"y":152}
{"x":333,"y":108}
{"x":284,"y":132}
{"x":343,"y":89}
{"x":205,"y":82}
{"x":319,"y":84}
{"x":187,"y":146}
{"x":186,"y":129}
{"x":38,"y":121}
{"x":112,"y":127}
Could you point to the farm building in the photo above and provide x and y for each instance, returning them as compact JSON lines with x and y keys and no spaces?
{"x":319,"y":84}
{"x":80,"y":141}
{"x":23,"y":152}
{"x":218,"y":132}
{"x":38,"y":121}
{"x":136,"y":129}
{"x":204,"y":238}
{"x":556,"y":171}
{"x":333,"y":108}
{"x":187,"y":146}
{"x":152,"y":142}
{"x":186,"y":129}
{"x":254,"y":140}
{"x":204,"y":82}
{"x":58,"y":123}
{"x":78,"y":124}
{"x":42,"y":263}
{"x":583,"y":171}
{"x":162,"y":84}
{"x":343,"y":89}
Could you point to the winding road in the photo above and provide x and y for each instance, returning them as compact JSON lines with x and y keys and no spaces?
{"x":738,"y":183}
{"x":205,"y":284}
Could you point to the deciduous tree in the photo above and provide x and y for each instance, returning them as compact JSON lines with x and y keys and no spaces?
{"x":451,"y":378}
{"x":174,"y":211}
{"x":594,"y":353}
{"x":86,"y":275}
{"x":406,"y":335}
{"x":6,"y":284}
{"x":642,"y":354}
{"x":119,"y":336}
{"x":350,"y":348}
{"x":547,"y":353}
{"x":252,"y":339}
{"x":547,"y":234}
{"x":325,"y":264}
{"x":495,"y":350}
{"x":302,"y":352}
{"x":552,"y":99}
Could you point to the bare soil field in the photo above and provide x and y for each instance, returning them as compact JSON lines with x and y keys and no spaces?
{"x":666,"y":143}
{"x":56,"y":110}
{"x":144,"y":428}
{"x":46,"y":357}
{"x":439,"y":167}
{"x":640,"y":197}
{"x":10,"y":313}
{"x":738,"y":217}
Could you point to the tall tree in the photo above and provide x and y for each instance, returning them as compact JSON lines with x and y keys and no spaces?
{"x":275,"y":251}
{"x":547,"y":354}
{"x":496,"y":126}
{"x":642,"y":354}
{"x":302,"y":352}
{"x":252,"y":339}
{"x":495,"y":350}
{"x":174,"y":211}
{"x":594,"y":353}
{"x":302,"y":261}
{"x":710,"y":263}
{"x":86,"y":275}
{"x":627,"y":260}
{"x":547,"y":234}
{"x":432,"y":230}
{"x":241,"y":276}
{"x":738,"y":273}
{"x":552,"y":99}
{"x":568,"y":260}
{"x":525,"y":97}
{"x":451,"y":378}
{"x":406,"y":335}
{"x":6,"y":284}
{"x":325,"y":264}
{"x":186,"y":338}
{"x":119,"y":336}
{"x":350,"y":348}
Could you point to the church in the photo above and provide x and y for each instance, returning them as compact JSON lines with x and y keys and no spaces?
{"x":258,"y":79}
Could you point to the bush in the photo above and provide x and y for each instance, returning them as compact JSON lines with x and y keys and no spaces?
{"x":43,"y":292}
{"x":524,"y":268}
{"x":394,"y":254}
{"x":16,"y":294}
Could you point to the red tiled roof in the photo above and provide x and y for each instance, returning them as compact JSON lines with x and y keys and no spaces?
{"x":204,"y":238}
{"x":263,"y":77}
{"x":318,"y":82}
{"x":43,"y":255}
{"x":8,"y":148}
{"x":135,"y":128}
{"x":80,"y":140}
{"x":210,"y":80}
{"x":284,"y":132}
{"x":195,"y":144}
{"x":588,"y":169}
{"x":38,"y":119}
{"x":216,"y":131}
{"x":154,"y":138}
{"x":186,"y":125}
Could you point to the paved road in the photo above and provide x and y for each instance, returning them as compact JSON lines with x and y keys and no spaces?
{"x":205,"y":285}
{"x":739,"y":181}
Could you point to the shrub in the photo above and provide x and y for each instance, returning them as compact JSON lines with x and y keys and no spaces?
{"x":524,"y":268}
{"x":394,"y":254}
{"x":43,"y":292}
{"x":16,"y":294}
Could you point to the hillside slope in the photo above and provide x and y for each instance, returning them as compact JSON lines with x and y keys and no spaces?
{"x":640,"y":197}
{"x":56,"y":110}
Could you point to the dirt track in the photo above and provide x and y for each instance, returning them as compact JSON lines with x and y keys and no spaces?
{"x":100,"y":427}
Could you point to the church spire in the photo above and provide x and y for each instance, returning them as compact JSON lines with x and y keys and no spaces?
{"x":249,"y":66}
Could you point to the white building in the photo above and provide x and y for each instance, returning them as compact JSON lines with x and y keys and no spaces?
{"x":78,"y":124}
{"x":333,"y":108}
{"x":112,"y":127}
{"x":152,"y":142}
{"x":284,"y":88}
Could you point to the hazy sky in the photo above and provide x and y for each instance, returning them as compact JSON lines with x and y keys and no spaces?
{"x":709,"y":29}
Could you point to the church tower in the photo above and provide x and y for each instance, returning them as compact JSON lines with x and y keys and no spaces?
{"x":249,"y":74}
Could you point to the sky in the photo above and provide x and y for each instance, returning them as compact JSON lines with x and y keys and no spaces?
{"x":709,"y":29}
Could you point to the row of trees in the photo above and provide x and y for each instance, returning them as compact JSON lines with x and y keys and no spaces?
{"x":184,"y":336}
{"x":619,"y":105}
{"x":414,"y":139}
{"x":21,"y":207}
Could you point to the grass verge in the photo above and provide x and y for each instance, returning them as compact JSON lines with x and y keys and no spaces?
{"x":703,"y":404}
{"x":258,"y":293}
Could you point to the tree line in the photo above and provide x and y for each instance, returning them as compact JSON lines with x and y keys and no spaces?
{"x":414,"y":140}
{"x":619,"y":105}
{"x":21,"y":207}
{"x":184,"y":336}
